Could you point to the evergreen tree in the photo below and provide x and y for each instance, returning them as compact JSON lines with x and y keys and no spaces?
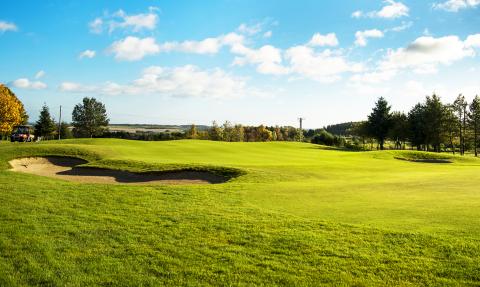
{"x":380,"y":122}
{"x":65,"y":131}
{"x":450,"y":125}
{"x":460,"y":106}
{"x":474,"y":121}
{"x":434,"y":120}
{"x":89,"y":118}
{"x":45,"y":125}
{"x":417,"y":126}
{"x":399,"y":131}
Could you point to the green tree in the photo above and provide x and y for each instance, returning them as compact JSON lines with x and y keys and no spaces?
{"x":192,"y":132}
{"x":89,"y":118}
{"x":65,"y":131}
{"x":323,"y":138}
{"x":450,"y":126}
{"x":399,"y":130}
{"x":227,"y":131}
{"x":380,"y":121}
{"x":238,"y":133}
{"x":360,"y":130}
{"x":215,"y":133}
{"x":45,"y":125}
{"x":474,"y":121}
{"x":460,"y":106}
{"x":417,"y":126}
{"x":263,"y":134}
{"x":278,"y":133}
{"x":434,"y":121}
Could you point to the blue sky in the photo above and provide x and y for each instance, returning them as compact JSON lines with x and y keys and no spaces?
{"x":249,"y":62}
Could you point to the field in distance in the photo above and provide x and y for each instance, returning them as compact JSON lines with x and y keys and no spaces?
{"x":132,"y":128}
{"x":297,"y":214}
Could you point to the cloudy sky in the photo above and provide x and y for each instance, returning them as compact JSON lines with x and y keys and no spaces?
{"x":246,"y":61}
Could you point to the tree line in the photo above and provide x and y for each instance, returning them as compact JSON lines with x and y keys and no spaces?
{"x":89,"y":119}
{"x":429,"y":126}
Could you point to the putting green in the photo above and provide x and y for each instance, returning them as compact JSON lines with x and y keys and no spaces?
{"x":295,"y":214}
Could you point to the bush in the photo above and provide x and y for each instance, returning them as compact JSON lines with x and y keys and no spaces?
{"x":324,"y":138}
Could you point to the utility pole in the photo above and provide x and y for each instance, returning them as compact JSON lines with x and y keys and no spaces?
{"x":300,"y":120}
{"x":60,"y":123}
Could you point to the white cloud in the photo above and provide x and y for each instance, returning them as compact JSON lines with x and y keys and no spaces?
{"x":456,"y":5}
{"x":133,"y":48}
{"x":426,"y":32}
{"x":425,"y":53}
{"x":87,"y":54}
{"x":205,"y":46}
{"x":191,"y":81}
{"x":121,"y":20}
{"x":362,"y":36}
{"x":74,"y":87}
{"x":267,"y":58}
{"x":373,"y":77}
{"x":391,"y":10}
{"x":96,"y":26}
{"x":7,"y":26}
{"x":473,"y":41}
{"x":318,"y":39}
{"x":39,"y":74}
{"x":250,"y":29}
{"x":357,"y":14}
{"x":325,"y":66}
{"x":402,"y":27}
{"x":267,"y":34}
{"x":184,"y":81}
{"x":137,"y":22}
{"x":426,"y":69}
{"x":24,"y":83}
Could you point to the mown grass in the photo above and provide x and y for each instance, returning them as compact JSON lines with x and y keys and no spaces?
{"x":297,"y":215}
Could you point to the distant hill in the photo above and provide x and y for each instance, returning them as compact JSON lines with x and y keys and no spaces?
{"x":342,"y":129}
{"x":152,"y":127}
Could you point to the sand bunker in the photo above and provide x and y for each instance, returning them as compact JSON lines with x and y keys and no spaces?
{"x":66,"y":168}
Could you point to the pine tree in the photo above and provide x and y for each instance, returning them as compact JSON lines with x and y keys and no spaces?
{"x":65,"y":131}
{"x":45,"y":126}
{"x":460,"y":106}
{"x":474,"y":121}
{"x":380,"y":121}
{"x":434,"y":120}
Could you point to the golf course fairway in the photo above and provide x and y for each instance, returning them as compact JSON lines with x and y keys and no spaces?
{"x":291,"y":214}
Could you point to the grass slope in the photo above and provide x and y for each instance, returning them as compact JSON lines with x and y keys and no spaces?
{"x":299,"y":215}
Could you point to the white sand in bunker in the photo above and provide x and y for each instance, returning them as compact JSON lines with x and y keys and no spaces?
{"x":66,"y":168}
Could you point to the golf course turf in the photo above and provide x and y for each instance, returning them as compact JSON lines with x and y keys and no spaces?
{"x":289,"y":213}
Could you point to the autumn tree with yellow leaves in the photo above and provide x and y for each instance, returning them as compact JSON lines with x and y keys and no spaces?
{"x":12,"y":111}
